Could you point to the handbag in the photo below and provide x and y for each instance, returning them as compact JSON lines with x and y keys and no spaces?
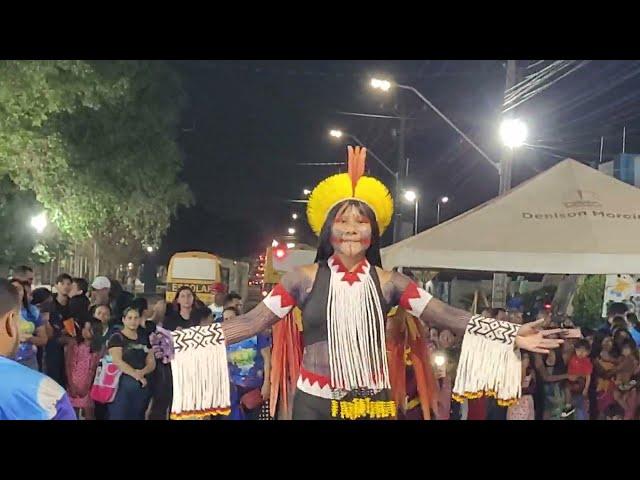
{"x":105,"y":384}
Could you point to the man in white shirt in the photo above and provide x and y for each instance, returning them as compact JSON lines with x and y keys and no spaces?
{"x":218,"y":305}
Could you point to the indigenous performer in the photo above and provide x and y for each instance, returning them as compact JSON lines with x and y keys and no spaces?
{"x":344,"y":298}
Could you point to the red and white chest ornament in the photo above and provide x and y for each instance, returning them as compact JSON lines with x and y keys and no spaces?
{"x":358,"y":274}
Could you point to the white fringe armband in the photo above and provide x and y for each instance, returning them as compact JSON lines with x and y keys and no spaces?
{"x":489,"y":362}
{"x":200,"y":373}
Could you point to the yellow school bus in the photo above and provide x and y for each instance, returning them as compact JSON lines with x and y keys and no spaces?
{"x":198,"y":270}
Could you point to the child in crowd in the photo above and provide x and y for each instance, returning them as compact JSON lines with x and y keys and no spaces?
{"x":604,"y":365}
{"x":625,"y":392}
{"x":579,"y":370}
{"x":81,"y":364}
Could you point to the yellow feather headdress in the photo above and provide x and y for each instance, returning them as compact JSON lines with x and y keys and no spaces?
{"x":350,"y":186}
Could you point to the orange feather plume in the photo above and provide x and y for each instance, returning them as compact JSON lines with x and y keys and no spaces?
{"x":357,"y":157}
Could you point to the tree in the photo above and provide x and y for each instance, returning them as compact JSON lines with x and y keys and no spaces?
{"x":587,"y":303}
{"x":19,"y":242}
{"x":95,"y":142}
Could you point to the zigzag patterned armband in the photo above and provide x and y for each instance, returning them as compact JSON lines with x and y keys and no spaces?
{"x":200,"y":373}
{"x":489,"y":364}
{"x":492,"y":329}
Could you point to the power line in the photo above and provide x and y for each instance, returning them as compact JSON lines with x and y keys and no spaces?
{"x":541,"y":89}
{"x":373,"y":115}
{"x":588,"y":95}
{"x":533,"y":80}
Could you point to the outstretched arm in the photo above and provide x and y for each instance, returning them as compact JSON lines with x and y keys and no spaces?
{"x":291,"y":291}
{"x":400,"y":290}
{"x":246,"y":326}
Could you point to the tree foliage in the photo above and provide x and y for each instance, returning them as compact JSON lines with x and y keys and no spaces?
{"x":587,"y":302}
{"x":95,"y":142}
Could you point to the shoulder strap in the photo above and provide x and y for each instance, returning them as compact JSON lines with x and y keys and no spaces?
{"x":376,"y":280}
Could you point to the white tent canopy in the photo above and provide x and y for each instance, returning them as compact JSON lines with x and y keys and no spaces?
{"x":569,"y":219}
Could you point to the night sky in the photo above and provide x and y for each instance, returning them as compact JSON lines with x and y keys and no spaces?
{"x":248,"y":124}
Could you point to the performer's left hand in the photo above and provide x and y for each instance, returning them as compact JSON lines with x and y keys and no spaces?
{"x":533,"y":338}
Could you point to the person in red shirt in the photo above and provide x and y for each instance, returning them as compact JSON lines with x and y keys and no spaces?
{"x":579,"y":370}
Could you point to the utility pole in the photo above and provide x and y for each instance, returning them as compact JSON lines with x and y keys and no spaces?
{"x":506,"y":160}
{"x":400,"y":133}
{"x":501,"y":280}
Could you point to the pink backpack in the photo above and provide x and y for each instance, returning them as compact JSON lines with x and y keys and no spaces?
{"x":105,"y":384}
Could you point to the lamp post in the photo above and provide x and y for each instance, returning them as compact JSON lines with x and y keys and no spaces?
{"x":412,"y":197}
{"x":513,"y":133}
{"x":441,"y":201}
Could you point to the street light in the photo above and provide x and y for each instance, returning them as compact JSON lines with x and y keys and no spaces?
{"x":412,"y":197}
{"x":150,"y":249}
{"x":380,"y":84}
{"x":294,"y":216}
{"x":306,"y":191}
{"x":441,"y":200}
{"x":385,"y":85}
{"x":340,"y":134}
{"x":275,"y":243}
{"x":292,"y":231}
{"x":513,"y":132}
{"x":39,"y":222}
